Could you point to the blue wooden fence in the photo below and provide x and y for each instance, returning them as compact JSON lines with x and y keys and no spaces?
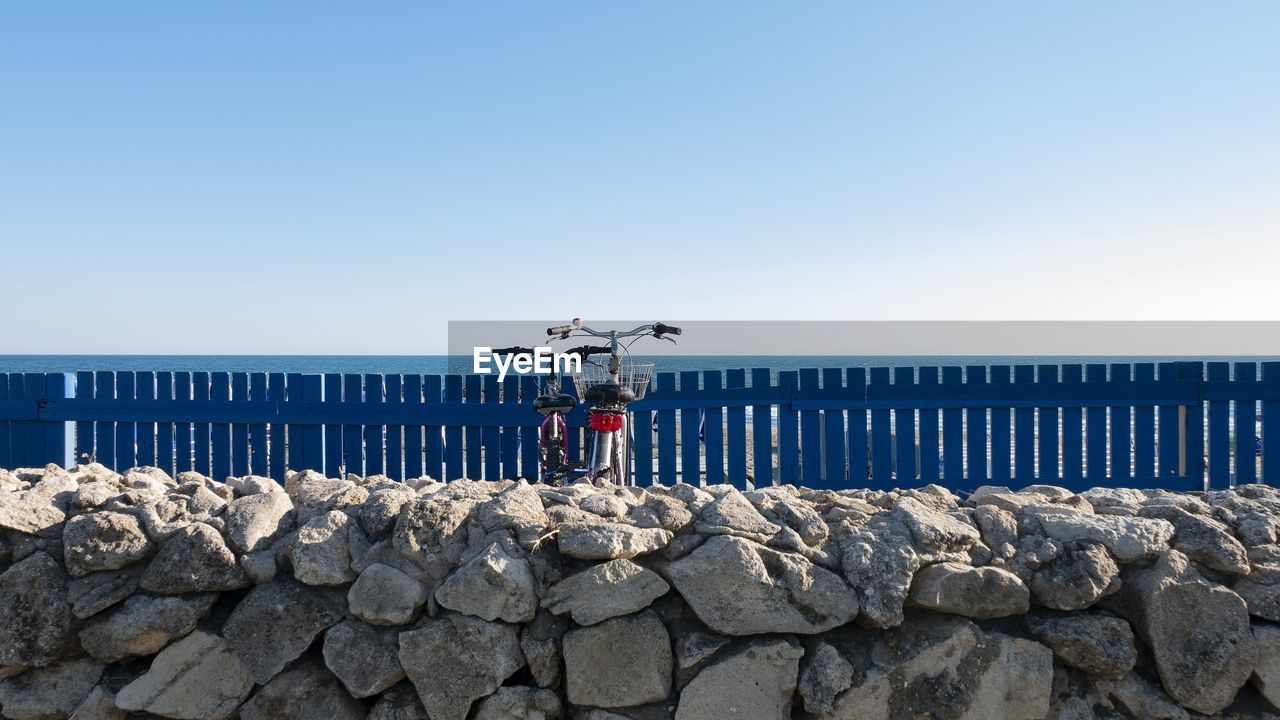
{"x":1172,"y":425}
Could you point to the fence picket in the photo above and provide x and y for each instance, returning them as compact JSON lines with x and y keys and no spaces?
{"x":183,"y":434}
{"x":453,"y":466}
{"x":713,"y":431}
{"x":472,"y":433}
{"x":1072,"y":431}
{"x":736,"y":431}
{"x":276,"y":433}
{"x":1246,"y":411}
{"x":240,"y":431}
{"x":374,"y":458}
{"x":762,"y":473}
{"x":511,"y":433}
{"x":881,"y":435}
{"x":126,"y":432}
{"x":1219,"y":429}
{"x":312,"y":434}
{"x":1193,"y":431}
{"x":834,"y":470}
{"x":788,"y":437}
{"x":810,"y":432}
{"x":84,"y":428}
{"x":1271,"y":426}
{"x":1024,"y":429}
{"x":1144,"y":430}
{"x":258,"y":430}
{"x":145,"y":389}
{"x":55,"y":433}
{"x":332,"y":431}
{"x":353,"y":434}
{"x":1168,"y":440}
{"x":164,"y":430}
{"x":220,"y":433}
{"x":690,"y":434}
{"x":1121,"y":428}
{"x":395,"y":432}
{"x":666,"y":433}
{"x":491,"y":434}
{"x":1050,"y":444}
{"x":975,"y":428}
{"x":200,"y":394}
{"x":953,"y":429}
{"x":433,"y":435}
{"x":412,"y":398}
{"x":1096,"y":431}
{"x":1001,"y":430}
{"x":530,"y":448}
{"x":904,"y":430}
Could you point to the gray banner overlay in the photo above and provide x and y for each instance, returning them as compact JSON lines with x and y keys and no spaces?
{"x":928,"y":338}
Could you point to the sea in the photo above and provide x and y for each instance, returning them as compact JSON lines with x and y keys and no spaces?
{"x":451,"y":364}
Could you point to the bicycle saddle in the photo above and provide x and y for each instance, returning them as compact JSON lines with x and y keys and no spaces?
{"x":559,"y":402}
{"x":609,"y":394}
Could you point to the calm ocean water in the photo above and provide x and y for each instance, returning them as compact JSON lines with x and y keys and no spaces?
{"x":442,"y":364}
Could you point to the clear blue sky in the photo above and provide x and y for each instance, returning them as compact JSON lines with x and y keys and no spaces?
{"x":241,"y":177}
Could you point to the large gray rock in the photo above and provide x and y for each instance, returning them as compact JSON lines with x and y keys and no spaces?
{"x":35,"y":620}
{"x":50,"y":693}
{"x":933,"y":530}
{"x":1080,"y":575}
{"x":1098,"y":644}
{"x":143,"y":625}
{"x":1263,"y":599}
{"x":96,"y":592}
{"x":540,"y":643}
{"x":879,"y":561}
{"x":433,"y":531}
{"x":733,"y":514}
{"x":454,"y":660}
{"x":363,"y":657}
{"x":321,"y":553}
{"x":493,"y":586}
{"x":276,"y":622}
{"x":519,"y":703}
{"x":617,"y":587}
{"x":825,"y":675}
{"x":608,"y":541}
{"x":399,"y":703}
{"x":1128,"y":538}
{"x":378,"y":514}
{"x":617,"y":663}
{"x":103,"y":541}
{"x":193,"y":559}
{"x":738,"y":587}
{"x":980,"y":593}
{"x":29,"y":513}
{"x":99,"y":704}
{"x":1198,"y":631}
{"x":383,"y":595}
{"x":254,"y":522}
{"x":1266,"y":675}
{"x":307,"y":692}
{"x":938,"y":666}
{"x":755,"y":682}
{"x":197,"y":678}
{"x":783,"y":509}
{"x":1202,"y":539}
{"x":517,"y":509}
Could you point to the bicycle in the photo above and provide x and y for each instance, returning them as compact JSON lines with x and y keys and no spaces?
{"x":610,"y":388}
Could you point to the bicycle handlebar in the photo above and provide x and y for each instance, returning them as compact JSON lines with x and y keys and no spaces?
{"x":664,"y":329}
{"x":584,"y":351}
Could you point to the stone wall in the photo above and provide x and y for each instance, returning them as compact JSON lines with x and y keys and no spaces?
{"x":144,"y":596}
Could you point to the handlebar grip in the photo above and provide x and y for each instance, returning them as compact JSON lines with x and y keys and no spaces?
{"x":515,"y":350}
{"x":663,"y":329}
{"x":560,"y":330}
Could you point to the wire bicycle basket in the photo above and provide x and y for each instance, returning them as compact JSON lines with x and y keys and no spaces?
{"x":634,"y":375}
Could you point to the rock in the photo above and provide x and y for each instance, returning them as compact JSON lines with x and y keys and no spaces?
{"x":276,"y":622}
{"x":739,"y":588}
{"x":1140,"y":699}
{"x":254,"y":522}
{"x":143,"y":625}
{"x":519,"y":703}
{"x":693,"y":647}
{"x":608,"y":541}
{"x":787,"y":511}
{"x":100,"y":704}
{"x":103,"y":541}
{"x":307,"y":692}
{"x":193,"y":559}
{"x":29,"y":513}
{"x":1263,"y":600}
{"x":383,"y":595}
{"x":518,"y":509}
{"x":493,"y":586}
{"x":997,"y":526}
{"x":617,"y":587}
{"x":1202,"y":539}
{"x":1098,"y":644}
{"x":94,"y":593}
{"x":938,"y":666}
{"x":363,"y":657}
{"x":980,"y":593}
{"x":1080,"y":575}
{"x":540,"y":642}
{"x":1127,"y":538}
{"x":1198,"y":631}
{"x":755,"y":682}
{"x":454,"y":660}
{"x":321,"y":554}
{"x":50,"y":693}
{"x":617,"y":663}
{"x":433,"y":531}
{"x":378,"y":514}
{"x":1266,"y":675}
{"x":825,"y":675}
{"x":197,"y":678}
{"x":733,"y":514}
{"x":670,"y":514}
{"x":35,"y":620}
{"x":879,"y":562}
{"x":936,"y":531}
{"x":399,"y":703}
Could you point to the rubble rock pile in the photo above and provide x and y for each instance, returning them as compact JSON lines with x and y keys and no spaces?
{"x":141,"y":595}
